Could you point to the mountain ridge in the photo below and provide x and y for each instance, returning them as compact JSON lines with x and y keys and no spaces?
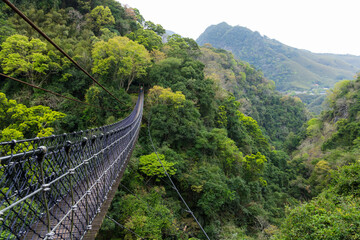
{"x":291,"y":68}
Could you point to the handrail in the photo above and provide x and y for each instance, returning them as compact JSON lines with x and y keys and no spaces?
{"x":54,"y":187}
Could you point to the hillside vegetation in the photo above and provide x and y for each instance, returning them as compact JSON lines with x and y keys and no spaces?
{"x":329,"y":160}
{"x":276,"y":114}
{"x":290,"y":68}
{"x":239,"y":152}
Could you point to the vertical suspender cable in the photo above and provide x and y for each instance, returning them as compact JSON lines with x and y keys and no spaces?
{"x":71,"y":173}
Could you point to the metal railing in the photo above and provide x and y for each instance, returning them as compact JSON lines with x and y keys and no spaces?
{"x":53,"y":187}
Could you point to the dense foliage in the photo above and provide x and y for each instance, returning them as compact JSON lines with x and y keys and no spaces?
{"x":222,"y":131}
{"x":330,"y":156}
{"x":19,"y":121}
{"x":276,"y":114}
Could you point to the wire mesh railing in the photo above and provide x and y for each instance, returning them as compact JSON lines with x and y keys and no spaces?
{"x":53,"y":187}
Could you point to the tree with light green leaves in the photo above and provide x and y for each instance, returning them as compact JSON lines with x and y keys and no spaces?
{"x":101,"y":16}
{"x":21,"y":56}
{"x":160,"y":95}
{"x":18,"y":121}
{"x":120,"y":61}
{"x":146,"y":37}
{"x":254,"y":165}
{"x":151,"y":166}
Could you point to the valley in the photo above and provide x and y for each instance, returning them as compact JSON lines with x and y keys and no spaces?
{"x":262,"y":140}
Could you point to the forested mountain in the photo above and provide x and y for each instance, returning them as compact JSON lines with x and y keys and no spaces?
{"x":277,"y":115}
{"x":328,"y":163}
{"x":238,"y":151}
{"x":290,"y":68}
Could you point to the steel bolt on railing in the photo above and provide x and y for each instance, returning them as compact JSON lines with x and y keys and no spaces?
{"x":53,"y":187}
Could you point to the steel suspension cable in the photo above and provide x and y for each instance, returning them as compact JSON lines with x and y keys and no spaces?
{"x":57,"y":94}
{"x":22,"y":15}
{"x":173,"y":184}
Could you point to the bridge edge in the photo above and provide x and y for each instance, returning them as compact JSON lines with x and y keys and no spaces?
{"x":98,"y":220}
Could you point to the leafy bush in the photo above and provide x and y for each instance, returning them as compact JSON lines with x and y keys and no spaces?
{"x":150,"y":166}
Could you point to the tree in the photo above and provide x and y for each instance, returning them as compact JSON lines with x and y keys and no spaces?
{"x":160,"y":95}
{"x":243,"y":130}
{"x":155,"y":27}
{"x":146,"y":215}
{"x":216,"y":143}
{"x":173,"y":119}
{"x":146,"y":37}
{"x":101,"y":16}
{"x":328,"y":216}
{"x":150,"y":165}
{"x":254,"y":131}
{"x":167,"y":72}
{"x":84,"y":5}
{"x":120,"y":60}
{"x":181,"y":47}
{"x":334,"y":214}
{"x":22,"y":56}
{"x":18,"y":121}
{"x":99,"y":116}
{"x":254,"y":165}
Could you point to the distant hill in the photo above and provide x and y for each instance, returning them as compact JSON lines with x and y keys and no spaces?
{"x":290,"y":68}
{"x":166,"y":35}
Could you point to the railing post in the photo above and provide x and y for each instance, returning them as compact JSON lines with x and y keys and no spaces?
{"x":12,"y":146}
{"x":67,"y":148}
{"x":45,"y":187}
{"x":105,"y":173}
{"x":93,"y":140}
{"x":88,"y":192}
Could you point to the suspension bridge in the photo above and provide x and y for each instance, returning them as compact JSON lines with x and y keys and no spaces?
{"x":60,"y":187}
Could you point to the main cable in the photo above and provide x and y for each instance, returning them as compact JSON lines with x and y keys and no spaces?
{"x":173,"y":184}
{"x":12,"y":6}
{"x":117,"y":223}
{"x":57,"y":94}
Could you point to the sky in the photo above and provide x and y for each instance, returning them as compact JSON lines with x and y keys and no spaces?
{"x":321,"y":26}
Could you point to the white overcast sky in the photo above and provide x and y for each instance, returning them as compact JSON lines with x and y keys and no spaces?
{"x":331,"y":26}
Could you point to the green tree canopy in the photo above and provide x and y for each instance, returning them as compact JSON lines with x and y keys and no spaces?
{"x":29,"y":57}
{"x":120,"y":60}
{"x":328,"y":216}
{"x":100,"y":116}
{"x":18,"y":121}
{"x":181,"y":47}
{"x":173,"y":118}
{"x":155,"y":27}
{"x":150,"y":165}
{"x":146,"y":37}
{"x":101,"y":16}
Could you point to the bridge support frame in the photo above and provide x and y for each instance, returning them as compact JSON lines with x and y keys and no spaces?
{"x":96,"y":224}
